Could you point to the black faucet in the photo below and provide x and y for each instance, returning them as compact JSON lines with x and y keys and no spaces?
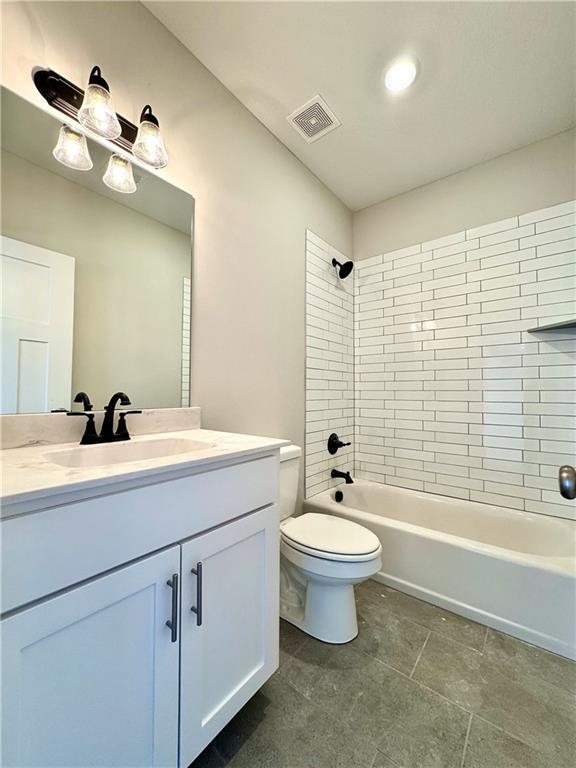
{"x":107,"y":432}
{"x":83,"y":398}
{"x":344,"y":475}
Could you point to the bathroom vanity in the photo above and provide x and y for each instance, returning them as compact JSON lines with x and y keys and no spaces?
{"x":139,"y":576}
{"x":140,"y":597}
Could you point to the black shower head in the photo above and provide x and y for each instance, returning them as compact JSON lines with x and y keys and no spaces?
{"x":345,"y":268}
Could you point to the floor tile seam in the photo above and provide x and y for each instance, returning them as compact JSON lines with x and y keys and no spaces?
{"x":502,"y":671}
{"x":435,"y":631}
{"x":315,"y":704}
{"x":511,"y":735}
{"x":406,"y":619}
{"x":391,"y":669}
{"x":420,"y":654}
{"x":462,"y":762}
{"x":423,"y":686}
{"x":480,"y":717}
{"x":485,"y":640}
{"x":387,"y":756}
{"x":219,"y":754}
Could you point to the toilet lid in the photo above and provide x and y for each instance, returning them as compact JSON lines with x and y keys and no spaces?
{"x":327,"y":533}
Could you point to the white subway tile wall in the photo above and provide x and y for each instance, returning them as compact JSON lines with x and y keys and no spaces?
{"x":453,"y":394}
{"x":329,"y":364}
{"x":185,"y":390}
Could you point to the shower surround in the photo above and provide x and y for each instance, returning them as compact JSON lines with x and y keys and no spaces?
{"x":329,"y":363}
{"x":452,"y":393}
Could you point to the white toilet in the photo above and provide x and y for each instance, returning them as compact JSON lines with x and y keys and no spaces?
{"x":321,"y":558}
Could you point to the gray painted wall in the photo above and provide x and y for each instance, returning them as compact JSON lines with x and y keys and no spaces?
{"x":536,"y":176}
{"x":254,"y":201}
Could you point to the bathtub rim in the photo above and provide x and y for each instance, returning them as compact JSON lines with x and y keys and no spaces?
{"x":562,"y":564}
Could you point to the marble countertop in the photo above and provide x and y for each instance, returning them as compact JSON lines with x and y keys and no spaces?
{"x":31,"y":480}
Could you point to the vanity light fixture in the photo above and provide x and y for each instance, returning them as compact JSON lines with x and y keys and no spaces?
{"x":401,"y":74}
{"x":119,"y":176}
{"x":72,"y":149}
{"x":149,"y":145}
{"x":97,"y":112}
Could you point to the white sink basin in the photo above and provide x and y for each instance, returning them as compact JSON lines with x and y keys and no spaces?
{"x":119,"y":453}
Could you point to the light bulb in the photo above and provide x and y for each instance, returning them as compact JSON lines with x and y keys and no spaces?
{"x":119,"y":176}
{"x":72,"y":149}
{"x":96,"y":111}
{"x":401,"y":74}
{"x":149,"y":145}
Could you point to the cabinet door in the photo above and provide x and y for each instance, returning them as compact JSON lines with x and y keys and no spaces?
{"x":90,"y":678}
{"x":229,"y":644}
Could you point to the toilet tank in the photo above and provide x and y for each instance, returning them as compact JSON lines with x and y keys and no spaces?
{"x":289,"y":477}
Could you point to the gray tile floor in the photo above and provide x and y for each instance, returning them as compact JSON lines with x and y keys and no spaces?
{"x":418,"y":688}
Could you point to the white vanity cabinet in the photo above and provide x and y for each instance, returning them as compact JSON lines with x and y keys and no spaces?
{"x":90,"y":678}
{"x":229,"y":627}
{"x":92,"y":674}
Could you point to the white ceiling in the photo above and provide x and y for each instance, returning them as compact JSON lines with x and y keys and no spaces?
{"x":494,"y":76}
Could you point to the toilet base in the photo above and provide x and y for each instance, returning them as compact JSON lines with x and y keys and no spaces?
{"x":322,"y":605}
{"x":329,"y":613}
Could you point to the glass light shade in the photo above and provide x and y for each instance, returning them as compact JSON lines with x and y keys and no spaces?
{"x":149,"y":145}
{"x":72,"y":149}
{"x":97,"y":112}
{"x":119,"y":176}
{"x":401,"y":74}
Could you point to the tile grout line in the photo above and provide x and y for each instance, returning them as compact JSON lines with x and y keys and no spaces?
{"x":485,"y":641}
{"x":420,"y":654}
{"x":466,"y":741}
{"x":435,"y":630}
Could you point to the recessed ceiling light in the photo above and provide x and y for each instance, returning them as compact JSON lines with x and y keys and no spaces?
{"x":401,"y":74}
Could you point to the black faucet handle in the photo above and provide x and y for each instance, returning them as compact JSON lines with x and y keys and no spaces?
{"x":90,"y":435}
{"x":122,"y":430}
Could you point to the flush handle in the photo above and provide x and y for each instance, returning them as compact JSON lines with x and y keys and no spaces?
{"x":197,"y":609}
{"x":567,"y":481}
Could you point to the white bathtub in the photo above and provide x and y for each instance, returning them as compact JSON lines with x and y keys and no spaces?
{"x":514,"y":571}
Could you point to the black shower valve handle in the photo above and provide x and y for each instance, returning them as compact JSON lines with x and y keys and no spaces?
{"x":334,"y":444}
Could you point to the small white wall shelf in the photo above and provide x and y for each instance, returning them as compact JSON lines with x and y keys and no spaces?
{"x":554,"y":326}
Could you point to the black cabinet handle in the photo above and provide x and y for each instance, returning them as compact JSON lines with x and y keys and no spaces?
{"x":172,"y":623}
{"x":197,"y":609}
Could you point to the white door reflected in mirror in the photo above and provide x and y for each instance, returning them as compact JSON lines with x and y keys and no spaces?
{"x":37,"y":316}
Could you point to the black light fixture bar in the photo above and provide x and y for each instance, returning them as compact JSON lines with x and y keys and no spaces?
{"x":67,"y":98}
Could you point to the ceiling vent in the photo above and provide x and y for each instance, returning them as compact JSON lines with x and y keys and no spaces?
{"x":314,"y":119}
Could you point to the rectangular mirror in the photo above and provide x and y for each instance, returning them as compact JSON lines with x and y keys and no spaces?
{"x":95,"y":283}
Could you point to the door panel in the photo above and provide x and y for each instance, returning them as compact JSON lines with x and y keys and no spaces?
{"x":231,"y":648}
{"x":37,"y":327}
{"x":90,"y":678}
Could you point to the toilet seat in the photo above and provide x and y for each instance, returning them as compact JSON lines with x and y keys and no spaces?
{"x":330,"y":538}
